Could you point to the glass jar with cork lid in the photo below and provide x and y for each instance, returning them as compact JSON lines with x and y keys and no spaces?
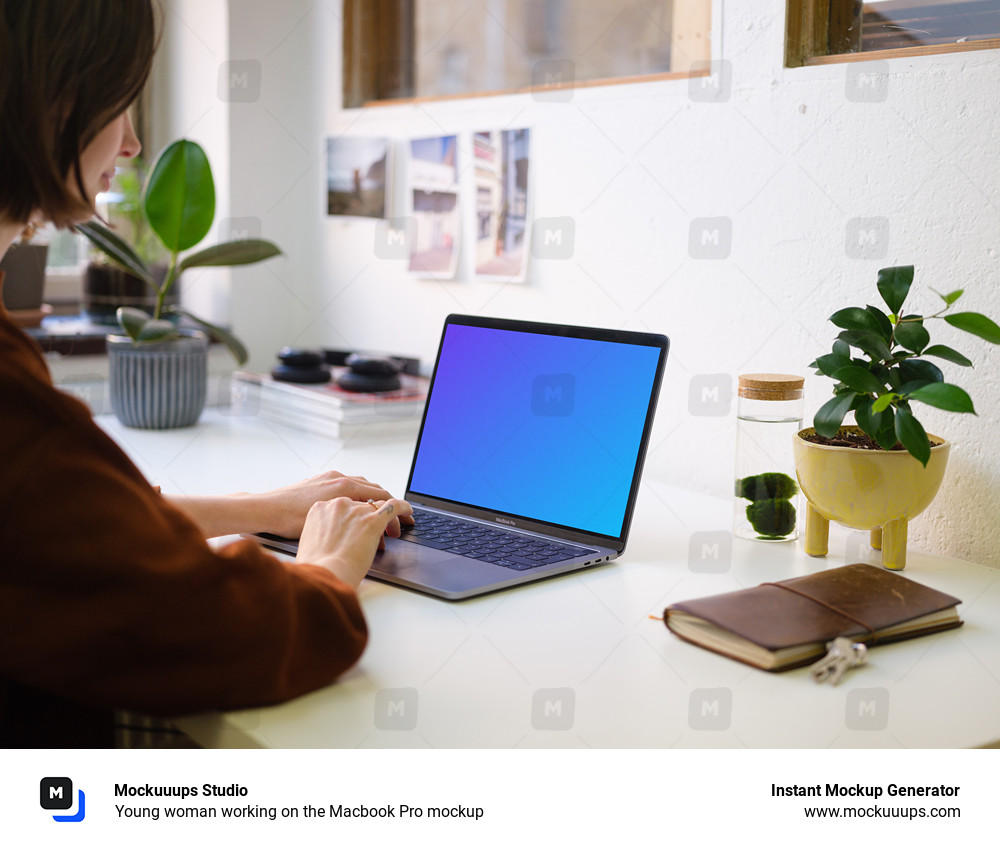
{"x":769,"y":414}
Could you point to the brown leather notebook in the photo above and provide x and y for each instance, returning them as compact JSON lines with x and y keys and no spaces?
{"x":786,"y":624}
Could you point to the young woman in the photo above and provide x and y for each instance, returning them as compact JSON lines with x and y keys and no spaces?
{"x":109,"y":594}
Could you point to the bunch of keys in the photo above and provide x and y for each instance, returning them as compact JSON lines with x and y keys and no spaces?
{"x":842,"y":655}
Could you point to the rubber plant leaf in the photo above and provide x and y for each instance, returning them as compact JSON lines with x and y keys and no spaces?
{"x":141,"y":327}
{"x":242,"y":252}
{"x":118,"y":251}
{"x":235,"y":346}
{"x":179,"y":200}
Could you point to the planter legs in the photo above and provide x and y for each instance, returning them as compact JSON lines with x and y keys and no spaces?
{"x":894,"y":544}
{"x":891,"y":538}
{"x":817,"y":533}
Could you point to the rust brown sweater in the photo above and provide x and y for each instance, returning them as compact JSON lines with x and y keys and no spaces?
{"x":108,"y":595}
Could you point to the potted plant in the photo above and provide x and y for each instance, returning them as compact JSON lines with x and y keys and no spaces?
{"x":880,"y":473}
{"x":158,"y":366}
{"x":24,"y":268}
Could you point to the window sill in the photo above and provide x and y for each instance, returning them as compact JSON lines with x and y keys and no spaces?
{"x":70,"y":335}
{"x":902,"y":52}
{"x":544,"y":91}
{"x":63,"y":284}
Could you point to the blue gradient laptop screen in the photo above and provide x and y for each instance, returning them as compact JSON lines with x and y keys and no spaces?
{"x":538,"y":426}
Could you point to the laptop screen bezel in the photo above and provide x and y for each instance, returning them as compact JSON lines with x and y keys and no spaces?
{"x":652,"y":340}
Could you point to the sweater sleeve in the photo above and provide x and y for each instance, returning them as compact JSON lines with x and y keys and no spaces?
{"x":109,"y":596}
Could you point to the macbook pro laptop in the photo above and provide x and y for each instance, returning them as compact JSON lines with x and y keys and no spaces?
{"x":528,"y":458}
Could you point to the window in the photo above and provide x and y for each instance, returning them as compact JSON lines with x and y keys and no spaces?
{"x":821,"y":31}
{"x":67,"y":251}
{"x":418,"y":49}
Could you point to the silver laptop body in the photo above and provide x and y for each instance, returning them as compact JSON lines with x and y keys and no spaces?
{"x":529,"y":455}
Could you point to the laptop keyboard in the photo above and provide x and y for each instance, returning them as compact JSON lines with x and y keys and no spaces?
{"x":491,"y":545}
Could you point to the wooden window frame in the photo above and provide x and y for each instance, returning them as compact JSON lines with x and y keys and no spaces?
{"x":374,"y":23}
{"x":369,"y":25}
{"x":815,"y":27}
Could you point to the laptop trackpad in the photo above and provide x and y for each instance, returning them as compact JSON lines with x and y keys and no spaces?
{"x":410,"y":564}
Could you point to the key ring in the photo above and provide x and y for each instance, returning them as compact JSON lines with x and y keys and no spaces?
{"x":842,"y":655}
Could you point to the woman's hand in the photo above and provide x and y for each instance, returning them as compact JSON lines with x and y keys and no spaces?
{"x":343,"y":534}
{"x":286,"y":508}
{"x":281,"y":511}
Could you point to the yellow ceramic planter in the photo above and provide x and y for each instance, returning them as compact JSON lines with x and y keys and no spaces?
{"x":877,"y":491}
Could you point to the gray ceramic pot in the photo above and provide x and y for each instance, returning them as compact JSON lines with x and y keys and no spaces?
{"x":160,"y":385}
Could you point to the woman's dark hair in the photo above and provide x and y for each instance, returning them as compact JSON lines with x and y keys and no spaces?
{"x":67,"y":68}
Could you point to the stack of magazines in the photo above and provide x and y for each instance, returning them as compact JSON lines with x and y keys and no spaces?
{"x":327,"y":410}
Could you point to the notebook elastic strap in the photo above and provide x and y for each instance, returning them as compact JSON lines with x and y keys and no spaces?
{"x":869,"y":636}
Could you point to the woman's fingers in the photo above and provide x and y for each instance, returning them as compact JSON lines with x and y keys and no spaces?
{"x":393,"y":512}
{"x":344,"y":534}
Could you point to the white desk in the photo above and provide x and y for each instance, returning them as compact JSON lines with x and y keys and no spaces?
{"x":576,"y":661}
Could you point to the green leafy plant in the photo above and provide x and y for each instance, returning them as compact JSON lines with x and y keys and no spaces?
{"x":895,"y":366}
{"x":178,"y":203}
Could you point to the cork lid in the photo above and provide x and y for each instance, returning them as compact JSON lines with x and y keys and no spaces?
{"x":771,"y":387}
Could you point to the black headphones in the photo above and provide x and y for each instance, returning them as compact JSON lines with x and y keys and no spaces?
{"x":370,"y":373}
{"x":300,"y":365}
{"x":365,"y":372}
